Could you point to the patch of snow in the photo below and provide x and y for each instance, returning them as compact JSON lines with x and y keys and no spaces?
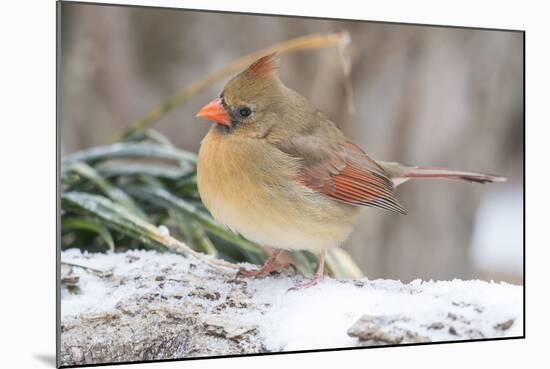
{"x":163,"y":230}
{"x":314,"y":318}
{"x":139,"y":267}
{"x":319,"y":317}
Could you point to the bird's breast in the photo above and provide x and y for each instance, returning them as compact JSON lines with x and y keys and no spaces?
{"x":250,"y":186}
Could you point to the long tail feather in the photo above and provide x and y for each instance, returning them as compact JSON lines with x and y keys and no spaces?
{"x":441,"y":173}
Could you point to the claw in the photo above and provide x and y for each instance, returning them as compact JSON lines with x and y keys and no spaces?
{"x":312,"y":282}
{"x":254,"y":273}
{"x":318,"y":277}
{"x":266,"y":269}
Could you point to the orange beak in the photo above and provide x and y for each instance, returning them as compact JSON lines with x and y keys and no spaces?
{"x":215,"y":112}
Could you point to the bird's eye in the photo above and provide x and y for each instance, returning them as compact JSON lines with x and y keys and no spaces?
{"x":245,"y":112}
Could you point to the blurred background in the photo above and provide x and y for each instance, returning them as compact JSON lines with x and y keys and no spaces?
{"x":422,"y":95}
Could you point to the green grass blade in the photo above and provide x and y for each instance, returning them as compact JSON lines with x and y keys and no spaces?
{"x":341,"y":265}
{"x":304,"y":264}
{"x":117,"y":169}
{"x":130,"y":150}
{"x":75,"y":223}
{"x":194,"y":233}
{"x":114,"y":193}
{"x":113,"y":216}
{"x":119,"y":218}
{"x":68,"y":180}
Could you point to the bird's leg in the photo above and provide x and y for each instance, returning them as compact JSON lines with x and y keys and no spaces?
{"x":269,"y":266}
{"x":318,"y":277}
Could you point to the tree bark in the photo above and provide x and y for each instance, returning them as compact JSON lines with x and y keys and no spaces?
{"x":153,"y":306}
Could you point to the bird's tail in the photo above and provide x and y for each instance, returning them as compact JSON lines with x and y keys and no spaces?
{"x":442,"y":173}
{"x":400,"y":174}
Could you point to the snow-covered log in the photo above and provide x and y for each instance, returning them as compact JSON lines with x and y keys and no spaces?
{"x":143,"y":305}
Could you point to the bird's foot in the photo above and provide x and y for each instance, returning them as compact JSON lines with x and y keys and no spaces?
{"x":269,"y":266}
{"x":265,"y":270}
{"x":312,"y":282}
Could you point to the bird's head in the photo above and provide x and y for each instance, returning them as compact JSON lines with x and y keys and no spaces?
{"x":253,"y":101}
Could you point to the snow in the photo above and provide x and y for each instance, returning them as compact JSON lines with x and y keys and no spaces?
{"x":139,"y":268}
{"x":314,"y":318}
{"x":164,"y":231}
{"x":319,"y":317}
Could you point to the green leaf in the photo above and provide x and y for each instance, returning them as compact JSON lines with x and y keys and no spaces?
{"x":306,"y":264}
{"x":130,"y":150}
{"x":68,"y":180}
{"x":116,"y":169}
{"x":194,"y":233}
{"x":114,"y":193}
{"x":75,"y":223}
{"x":187,"y":186}
{"x":341,"y":264}
{"x":113,"y":216}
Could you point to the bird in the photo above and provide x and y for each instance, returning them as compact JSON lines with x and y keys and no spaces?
{"x":274,"y":169}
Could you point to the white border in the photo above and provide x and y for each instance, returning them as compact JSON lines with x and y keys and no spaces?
{"x":28,"y":261}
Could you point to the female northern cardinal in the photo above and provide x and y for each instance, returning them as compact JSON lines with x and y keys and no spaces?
{"x":276,"y":170}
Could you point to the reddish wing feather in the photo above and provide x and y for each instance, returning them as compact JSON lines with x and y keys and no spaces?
{"x":352,"y":177}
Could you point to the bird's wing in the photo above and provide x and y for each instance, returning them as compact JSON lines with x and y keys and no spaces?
{"x":343,"y":172}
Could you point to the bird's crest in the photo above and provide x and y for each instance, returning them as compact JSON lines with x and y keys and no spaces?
{"x":266,"y":66}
